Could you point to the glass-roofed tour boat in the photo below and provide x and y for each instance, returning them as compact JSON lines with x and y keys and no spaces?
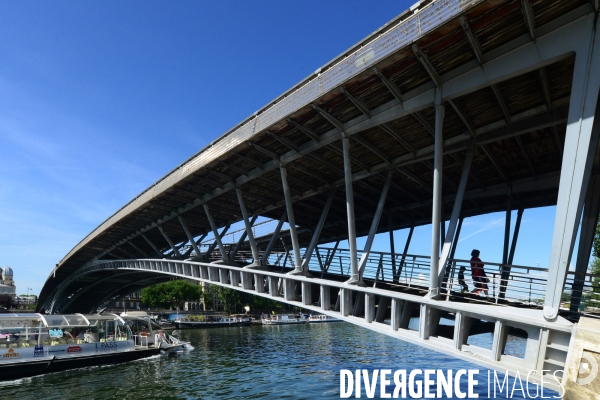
{"x":33,"y":344}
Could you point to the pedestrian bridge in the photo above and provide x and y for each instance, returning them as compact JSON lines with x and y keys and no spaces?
{"x":455,"y":108}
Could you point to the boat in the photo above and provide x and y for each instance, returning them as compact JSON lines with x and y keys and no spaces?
{"x":283,"y":319}
{"x":148,"y":333}
{"x":318,"y":318}
{"x":212,"y":321}
{"x":34,"y":344}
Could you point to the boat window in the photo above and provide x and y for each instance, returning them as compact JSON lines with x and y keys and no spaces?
{"x":55,"y":320}
{"x":76,"y":320}
{"x":18,"y":333}
{"x":27,"y":316}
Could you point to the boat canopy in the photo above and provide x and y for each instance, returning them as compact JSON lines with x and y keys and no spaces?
{"x":54,"y":320}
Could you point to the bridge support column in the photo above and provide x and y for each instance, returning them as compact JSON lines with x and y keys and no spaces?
{"x":240,"y":243}
{"x":176,"y":252}
{"x":265,"y":258}
{"x":345,"y":302}
{"x":223,"y":278}
{"x":213,"y":274}
{"x":462,"y":326}
{"x":306,"y":293}
{"x":374,"y":225}
{"x":198,"y":256}
{"x":247,"y":281}
{"x":325,"y":297}
{"x":428,"y":321}
{"x":290,"y":213}
{"x":369,"y":307}
{"x":204,"y":272}
{"x":213,"y":245}
{"x":189,"y":236}
{"x":500,"y":333}
{"x":142,"y":252}
{"x":509,"y":260}
{"x":235,"y":278}
{"x":158,"y":253}
{"x":586,"y":238}
{"x":580,"y":146}
{"x":382,"y":307}
{"x":436,"y":213}
{"x":407,"y":311}
{"x":274,"y":286}
{"x":289,"y":289}
{"x":259,"y":283}
{"x":405,"y":252}
{"x":315,"y":238}
{"x":354,"y":276}
{"x":452,"y":226}
{"x":396,"y":321}
{"x":216,"y":234}
{"x":392,"y":246}
{"x":248,"y":225}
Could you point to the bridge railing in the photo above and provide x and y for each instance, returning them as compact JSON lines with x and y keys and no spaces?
{"x":520,"y":284}
{"x":582,"y":292}
{"x":506,"y":284}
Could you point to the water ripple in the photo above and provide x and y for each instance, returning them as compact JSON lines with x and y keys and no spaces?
{"x":274,"y":362}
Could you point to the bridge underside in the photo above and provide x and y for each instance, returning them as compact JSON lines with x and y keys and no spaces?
{"x":510,"y":108}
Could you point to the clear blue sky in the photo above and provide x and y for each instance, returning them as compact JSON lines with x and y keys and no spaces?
{"x":99,"y":100}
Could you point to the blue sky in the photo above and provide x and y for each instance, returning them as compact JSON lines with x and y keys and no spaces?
{"x":99,"y":100}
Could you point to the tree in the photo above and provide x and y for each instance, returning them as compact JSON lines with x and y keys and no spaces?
{"x":593,"y":299}
{"x":233,"y":300}
{"x":165,"y":294}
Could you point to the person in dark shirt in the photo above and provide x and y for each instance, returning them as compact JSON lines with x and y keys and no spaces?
{"x":461,"y":280}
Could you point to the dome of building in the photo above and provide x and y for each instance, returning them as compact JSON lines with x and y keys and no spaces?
{"x":7,"y":271}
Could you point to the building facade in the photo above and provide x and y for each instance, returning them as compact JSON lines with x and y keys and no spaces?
{"x":7,"y":284}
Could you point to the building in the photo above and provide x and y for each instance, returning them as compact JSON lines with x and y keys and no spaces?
{"x":7,"y":284}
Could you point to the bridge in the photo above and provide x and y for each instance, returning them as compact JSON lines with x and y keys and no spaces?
{"x":453,"y":109}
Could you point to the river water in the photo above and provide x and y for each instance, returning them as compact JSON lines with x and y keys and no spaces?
{"x":271,"y":362}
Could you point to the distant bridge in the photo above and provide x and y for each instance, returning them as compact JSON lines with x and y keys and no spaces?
{"x":453,"y":109}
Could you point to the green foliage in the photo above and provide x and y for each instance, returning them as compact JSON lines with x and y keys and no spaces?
{"x":172,"y":292}
{"x":592,"y":299}
{"x":234,"y":301}
{"x":596,"y":247}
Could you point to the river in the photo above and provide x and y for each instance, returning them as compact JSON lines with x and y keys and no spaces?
{"x":271,"y":362}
